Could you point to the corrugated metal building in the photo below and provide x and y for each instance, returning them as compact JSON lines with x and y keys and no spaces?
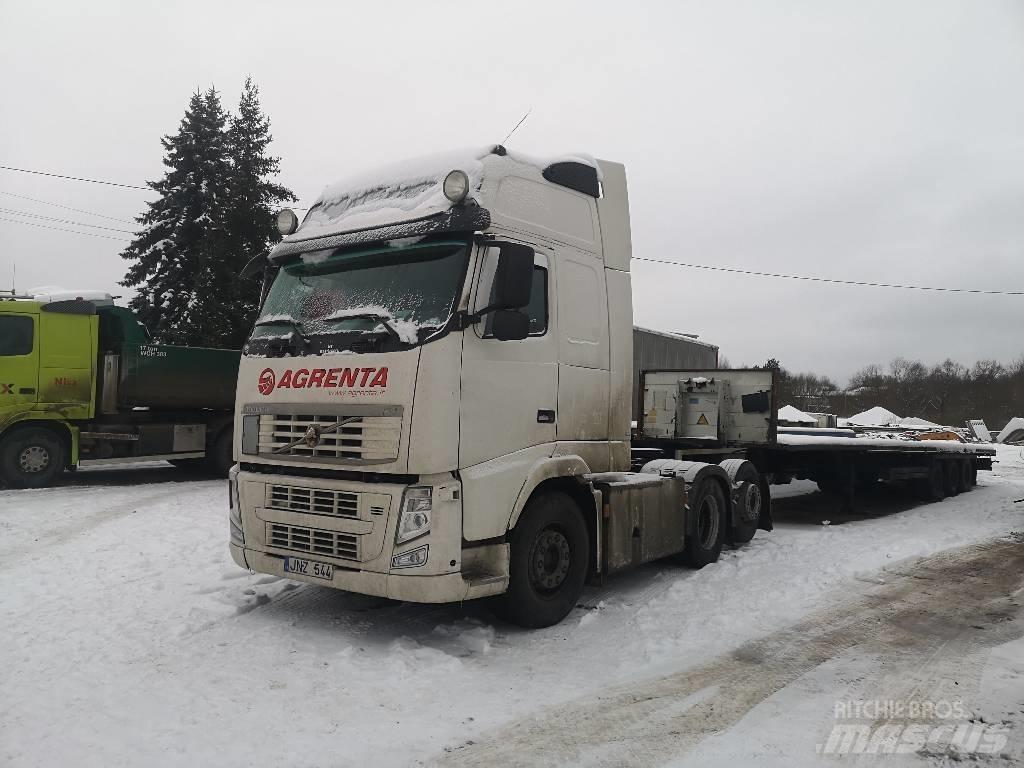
{"x":653,"y":350}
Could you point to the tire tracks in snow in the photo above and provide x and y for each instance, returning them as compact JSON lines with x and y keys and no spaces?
{"x":88,"y":522}
{"x":941,"y":609}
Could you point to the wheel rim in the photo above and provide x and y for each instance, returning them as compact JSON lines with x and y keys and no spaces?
{"x":33,"y":459}
{"x":550,"y":559}
{"x":753,"y":503}
{"x":707,"y":522}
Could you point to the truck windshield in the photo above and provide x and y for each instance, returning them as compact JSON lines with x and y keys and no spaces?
{"x":337,"y":300}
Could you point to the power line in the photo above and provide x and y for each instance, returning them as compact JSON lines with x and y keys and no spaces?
{"x":863,"y":283}
{"x":66,"y":207}
{"x":64,"y":221}
{"x":62,"y":229}
{"x":75,"y":178}
{"x":91,"y":181}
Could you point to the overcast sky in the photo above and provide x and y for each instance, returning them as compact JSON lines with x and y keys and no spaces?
{"x":877,"y":141}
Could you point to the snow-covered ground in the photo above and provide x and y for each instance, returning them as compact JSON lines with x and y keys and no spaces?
{"x":130,"y":638}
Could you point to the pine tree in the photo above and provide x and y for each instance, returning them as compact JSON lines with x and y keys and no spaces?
{"x":180,"y":254}
{"x":254,"y":200}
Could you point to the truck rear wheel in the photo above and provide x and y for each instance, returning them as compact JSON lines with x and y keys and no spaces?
{"x":550,"y":552}
{"x":705,"y":545}
{"x":951,"y":471}
{"x":747,"y":499}
{"x":933,"y":487}
{"x":966,"y":479}
{"x":31,"y":458}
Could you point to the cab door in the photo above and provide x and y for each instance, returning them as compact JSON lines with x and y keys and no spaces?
{"x":19,"y":361}
{"x":67,"y":360}
{"x":509,"y":400}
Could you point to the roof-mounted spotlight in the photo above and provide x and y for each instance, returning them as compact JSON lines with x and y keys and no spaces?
{"x":456,"y":186}
{"x":287,"y":221}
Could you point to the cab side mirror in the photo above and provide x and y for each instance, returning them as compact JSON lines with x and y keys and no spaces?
{"x":510,"y":325}
{"x":513,"y":277}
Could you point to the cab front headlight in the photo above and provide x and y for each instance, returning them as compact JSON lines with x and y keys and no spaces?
{"x":414,"y":518}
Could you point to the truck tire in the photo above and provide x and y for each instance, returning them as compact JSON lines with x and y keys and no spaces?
{"x":747,"y":500}
{"x":933,"y":487}
{"x":974,"y":472}
{"x":31,"y":458}
{"x":951,"y":471}
{"x":549,"y":557}
{"x":707,"y":502}
{"x":964,"y":466}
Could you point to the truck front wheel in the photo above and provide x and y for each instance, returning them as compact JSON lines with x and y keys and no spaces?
{"x":550,"y":551}
{"x":31,"y":458}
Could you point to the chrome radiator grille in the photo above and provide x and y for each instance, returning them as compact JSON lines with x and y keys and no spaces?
{"x":313,"y":540}
{"x":369,"y":439}
{"x":313,"y":501}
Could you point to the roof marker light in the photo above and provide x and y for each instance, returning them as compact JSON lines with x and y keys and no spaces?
{"x":287,"y":221}
{"x":456,"y":186}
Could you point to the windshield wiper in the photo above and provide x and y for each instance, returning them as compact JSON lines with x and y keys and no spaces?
{"x":296,"y":332}
{"x":385,"y":320}
{"x":293,"y":324}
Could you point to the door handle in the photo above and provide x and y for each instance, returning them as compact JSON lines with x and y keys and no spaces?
{"x":545,"y":417}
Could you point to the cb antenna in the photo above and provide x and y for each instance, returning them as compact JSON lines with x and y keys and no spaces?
{"x":521,"y":121}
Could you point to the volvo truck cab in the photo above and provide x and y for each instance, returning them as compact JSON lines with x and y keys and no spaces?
{"x":435,"y":402}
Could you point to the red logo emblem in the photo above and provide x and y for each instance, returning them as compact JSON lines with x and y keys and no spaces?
{"x":267,"y":382}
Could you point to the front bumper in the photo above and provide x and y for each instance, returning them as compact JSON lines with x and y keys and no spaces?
{"x":363,"y":560}
{"x":443,"y":588}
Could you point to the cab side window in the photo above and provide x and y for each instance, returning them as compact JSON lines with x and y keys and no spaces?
{"x":15,"y":336}
{"x":536,"y":310}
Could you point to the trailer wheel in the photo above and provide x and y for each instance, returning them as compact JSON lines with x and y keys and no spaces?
{"x":705,"y":545}
{"x":951,"y":471}
{"x":550,"y":552}
{"x":31,"y":458}
{"x":933,"y":487}
{"x":964,"y":467}
{"x":747,"y":498}
{"x":974,"y":471}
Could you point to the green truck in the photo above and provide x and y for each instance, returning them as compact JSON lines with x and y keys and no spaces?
{"x":82,"y":383}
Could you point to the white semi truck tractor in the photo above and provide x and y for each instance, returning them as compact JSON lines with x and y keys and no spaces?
{"x":436,"y":401}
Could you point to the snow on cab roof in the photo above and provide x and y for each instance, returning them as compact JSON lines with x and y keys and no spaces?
{"x":49,"y":293}
{"x":411,"y":189}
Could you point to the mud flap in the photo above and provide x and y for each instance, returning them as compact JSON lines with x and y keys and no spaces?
{"x":764,"y":521}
